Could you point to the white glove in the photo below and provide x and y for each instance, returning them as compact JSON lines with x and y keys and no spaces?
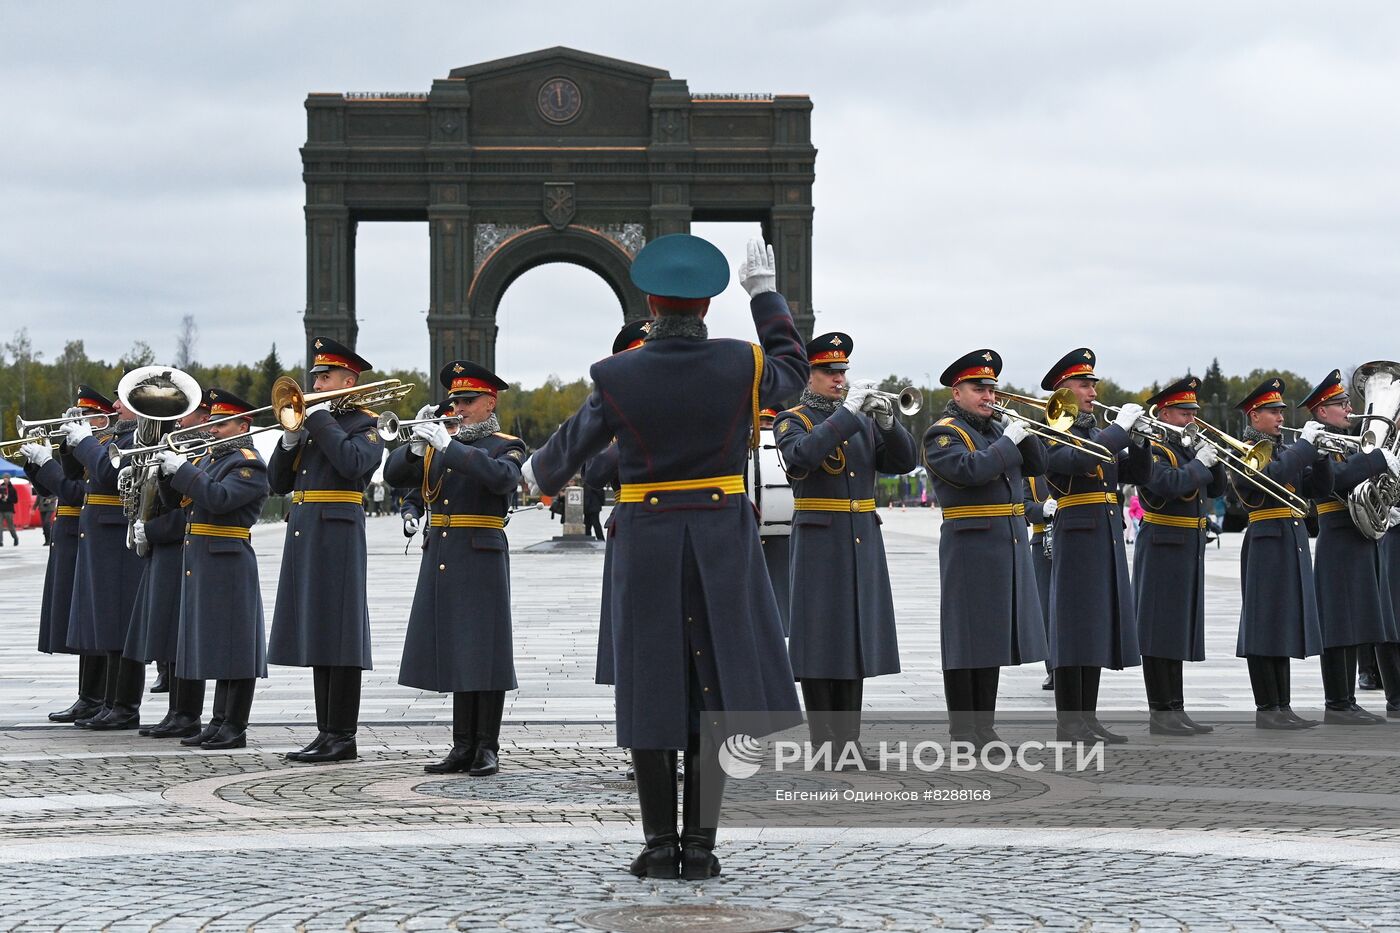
{"x":170,"y":462}
{"x":1207,"y":455}
{"x":410,"y":526}
{"x":291,"y":439}
{"x":1049,"y":507}
{"x":758,"y":273}
{"x":1391,"y":461}
{"x":857,"y":393}
{"x":1311,"y":430}
{"x":434,"y":434}
{"x":37,"y":454}
{"x":881,"y":409}
{"x":1394,"y":517}
{"x":75,"y":432}
{"x":427,"y":411}
{"x":527,"y":473}
{"x":138,"y":533}
{"x":319,"y":406}
{"x":417,"y":447}
{"x":1128,"y":416}
{"x":1016,"y":431}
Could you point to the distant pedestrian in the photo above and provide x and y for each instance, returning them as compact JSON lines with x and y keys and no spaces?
{"x":9,"y":496}
{"x":48,"y":506}
{"x":380,"y":495}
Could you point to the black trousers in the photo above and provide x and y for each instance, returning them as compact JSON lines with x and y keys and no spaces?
{"x":92,"y":677}
{"x":1270,"y":678}
{"x":836,"y":704}
{"x":971,"y":695}
{"x":187,"y":696}
{"x":1077,"y":689}
{"x":1387,"y":658}
{"x":1162,"y":678}
{"x":476,"y":718}
{"x":592,"y":525}
{"x":126,"y":682}
{"x":1339,"y":676}
{"x":337,"y":692}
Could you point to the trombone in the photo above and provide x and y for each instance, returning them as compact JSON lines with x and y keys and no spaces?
{"x":289,"y":402}
{"x":1060,"y":410}
{"x":391,"y":427}
{"x":1247,"y":461}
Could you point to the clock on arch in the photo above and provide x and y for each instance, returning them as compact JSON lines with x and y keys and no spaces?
{"x":559,"y":100}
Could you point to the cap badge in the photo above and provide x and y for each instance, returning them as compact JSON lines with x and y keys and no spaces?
{"x":318,"y":343}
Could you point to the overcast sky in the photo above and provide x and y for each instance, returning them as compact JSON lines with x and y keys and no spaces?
{"x":1164,"y":182}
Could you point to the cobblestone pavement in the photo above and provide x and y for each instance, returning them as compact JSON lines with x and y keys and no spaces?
{"x":116,"y":832}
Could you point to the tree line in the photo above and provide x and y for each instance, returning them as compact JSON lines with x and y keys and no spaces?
{"x":36,"y":386}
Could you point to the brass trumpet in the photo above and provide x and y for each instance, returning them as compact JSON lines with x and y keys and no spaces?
{"x":391,"y":427}
{"x":1157,"y":430}
{"x":1060,"y":410}
{"x":51,"y":427}
{"x":11,"y":449}
{"x":1247,"y":461}
{"x":1332,"y":443}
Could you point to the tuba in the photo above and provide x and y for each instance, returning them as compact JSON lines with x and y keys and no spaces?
{"x":1378,"y":383}
{"x":158,"y":396}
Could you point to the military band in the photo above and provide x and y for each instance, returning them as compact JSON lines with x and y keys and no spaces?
{"x":1032,"y":559}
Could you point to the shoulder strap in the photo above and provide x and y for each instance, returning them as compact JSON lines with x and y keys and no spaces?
{"x":801,"y":414}
{"x":966,"y":438}
{"x":1171,"y":454}
{"x":757,"y":381}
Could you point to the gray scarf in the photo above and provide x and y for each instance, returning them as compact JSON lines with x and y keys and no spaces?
{"x":237,"y":442}
{"x":978,"y":423}
{"x":818,"y":402}
{"x":475,"y":432}
{"x":1086,"y":421}
{"x":124,"y":427}
{"x":666,"y":326}
{"x":1254,"y":436}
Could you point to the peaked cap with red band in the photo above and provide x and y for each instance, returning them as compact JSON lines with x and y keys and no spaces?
{"x":1076,"y":364}
{"x":222,"y":402}
{"x":1268,"y":394}
{"x":832,"y":351}
{"x":465,"y":379}
{"x":632,"y":335}
{"x":327,"y":353}
{"x":1326,"y":392}
{"x":93,"y":400}
{"x":1180,"y":394}
{"x":980,"y":366}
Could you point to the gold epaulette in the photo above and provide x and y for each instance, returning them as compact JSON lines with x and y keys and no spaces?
{"x":948,"y":423}
{"x":797,"y":410}
{"x":249,"y":453}
{"x":504,"y":436}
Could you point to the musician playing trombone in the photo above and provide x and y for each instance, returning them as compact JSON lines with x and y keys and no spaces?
{"x":459,"y":634}
{"x":989,"y":605}
{"x":322,"y":616}
{"x":1091,"y":602}
{"x":1278,"y":614}
{"x":834,"y":443}
{"x":1353,"y":605}
{"x":1169,"y":557}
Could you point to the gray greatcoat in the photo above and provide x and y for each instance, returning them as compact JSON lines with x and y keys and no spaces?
{"x":155,"y":619}
{"x":322,"y":612}
{"x":1390,"y":556}
{"x":107,"y":572}
{"x":690,"y":599}
{"x":62,"y":477}
{"x":1036,"y":492}
{"x":221,"y":611}
{"x":603,"y":469}
{"x":841,"y":612}
{"x":1169,"y":578}
{"x":1353,"y":581}
{"x":1278,"y":612}
{"x":1091,"y":599}
{"x":989,"y":606}
{"x":459,"y":635}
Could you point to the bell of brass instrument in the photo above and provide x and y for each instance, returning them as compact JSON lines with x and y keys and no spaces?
{"x":391,"y":428}
{"x":1378,"y":384}
{"x":1247,"y":461}
{"x":289,"y":402}
{"x":909,"y":400}
{"x":158,"y":396}
{"x":1060,"y":411}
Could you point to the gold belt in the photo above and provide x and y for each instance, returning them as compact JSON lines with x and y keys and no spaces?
{"x":999,"y":510}
{"x":1174,"y":521}
{"x":637,"y":492}
{"x":69,"y":511}
{"x":219,"y":531}
{"x":834,"y":505}
{"x":1087,"y":498}
{"x":466,"y":521}
{"x":1324,"y":508}
{"x":1264,"y":515}
{"x":93,"y":498}
{"x":348,"y":496}
{"x":1037,"y":529}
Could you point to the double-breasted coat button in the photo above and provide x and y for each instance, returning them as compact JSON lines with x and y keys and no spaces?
{"x":653,"y":501}
{"x":296,"y":534}
{"x":442,"y":566}
{"x":188,"y":572}
{"x":853,"y":472}
{"x":714,"y":497}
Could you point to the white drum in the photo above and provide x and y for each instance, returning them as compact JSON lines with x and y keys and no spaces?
{"x":769,"y":487}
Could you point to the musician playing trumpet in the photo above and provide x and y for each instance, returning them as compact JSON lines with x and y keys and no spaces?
{"x":841,"y":611}
{"x":1353,"y":609}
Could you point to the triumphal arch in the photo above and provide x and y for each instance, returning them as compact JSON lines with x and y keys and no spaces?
{"x":552,"y":156}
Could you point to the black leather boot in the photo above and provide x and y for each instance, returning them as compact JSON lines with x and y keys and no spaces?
{"x":233,"y":733}
{"x":1370,"y":673}
{"x":704,"y":791}
{"x":188,"y":697}
{"x":961,"y":700}
{"x":162,"y":684}
{"x":342,"y":718}
{"x":656,"y":794}
{"x":216,"y":718}
{"x":321,"y":688}
{"x":463,"y":736}
{"x":1283,"y":677}
{"x":490,"y":705}
{"x":818,"y":702}
{"x":91,"y":679}
{"x":1341,"y":709}
{"x":984,"y":704}
{"x":1178,"y":695}
{"x":1163,"y":719}
{"x":1069,"y":707}
{"x":1387,"y":658}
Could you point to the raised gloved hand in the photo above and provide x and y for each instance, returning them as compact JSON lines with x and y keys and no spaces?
{"x":138,"y":533}
{"x":758,"y":273}
{"x":527,"y":473}
{"x":1311,"y":430}
{"x":1391,"y":461}
{"x":170,"y":462}
{"x":1128,"y":416}
{"x":36,"y":453}
{"x":292,"y":439}
{"x":1049,"y":507}
{"x":75,"y":432}
{"x":1016,"y":431}
{"x":856,"y":395}
{"x":410,"y":526}
{"x":434,"y":434}
{"x":1207,"y":454}
{"x":881,"y":409}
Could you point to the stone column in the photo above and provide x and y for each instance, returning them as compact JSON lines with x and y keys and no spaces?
{"x":330,"y":269}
